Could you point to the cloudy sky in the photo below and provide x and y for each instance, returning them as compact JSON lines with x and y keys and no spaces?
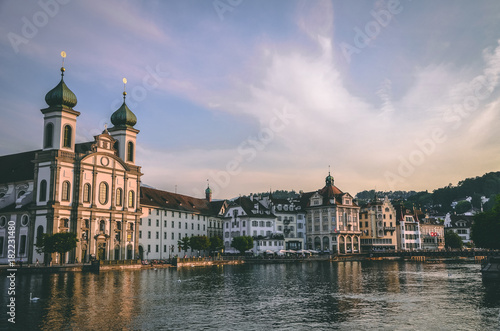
{"x":259,"y":95}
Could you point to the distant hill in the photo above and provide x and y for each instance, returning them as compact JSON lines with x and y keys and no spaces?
{"x":440,"y":199}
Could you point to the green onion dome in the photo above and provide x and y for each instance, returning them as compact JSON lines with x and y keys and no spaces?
{"x":329,"y":179}
{"x":61,"y":95}
{"x":123,"y":116}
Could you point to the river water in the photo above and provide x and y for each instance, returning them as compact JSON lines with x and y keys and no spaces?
{"x":378,"y":295}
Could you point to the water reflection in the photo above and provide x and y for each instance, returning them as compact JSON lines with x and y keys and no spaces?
{"x":345,"y":295}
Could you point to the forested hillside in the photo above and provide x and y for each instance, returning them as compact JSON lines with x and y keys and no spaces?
{"x":440,"y":199}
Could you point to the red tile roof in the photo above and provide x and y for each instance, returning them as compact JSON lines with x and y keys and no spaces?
{"x":168,"y":200}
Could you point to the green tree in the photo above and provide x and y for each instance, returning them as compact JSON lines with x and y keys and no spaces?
{"x":488,"y":205}
{"x":216,"y":243}
{"x":476,"y":201}
{"x":184,"y":243}
{"x":452,"y":240}
{"x":242,"y":243}
{"x":463,"y":207}
{"x":200,"y":243}
{"x":486,"y":227}
{"x":61,"y":242}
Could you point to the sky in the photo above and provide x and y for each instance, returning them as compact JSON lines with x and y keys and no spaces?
{"x":267,"y":95}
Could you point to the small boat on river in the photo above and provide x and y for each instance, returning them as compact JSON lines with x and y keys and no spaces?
{"x":491,"y":268}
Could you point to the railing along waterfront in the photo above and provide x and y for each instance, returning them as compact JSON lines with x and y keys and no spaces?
{"x":436,"y":253}
{"x":119,"y":262}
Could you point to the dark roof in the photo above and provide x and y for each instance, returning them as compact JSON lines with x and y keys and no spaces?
{"x":84,"y":147}
{"x":216,"y":206}
{"x":17,"y":167}
{"x":402,"y":211}
{"x":248,"y":206}
{"x":168,"y":200}
{"x":455,"y":219}
{"x":328,"y":192}
{"x":12,"y":208}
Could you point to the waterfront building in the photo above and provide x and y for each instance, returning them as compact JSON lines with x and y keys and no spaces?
{"x":407,"y":229}
{"x":432,"y":233}
{"x":461,"y":225}
{"x":252,"y":216}
{"x":88,"y":188}
{"x":377,"y":222}
{"x":290,"y":220}
{"x":168,"y":217}
{"x":332,"y":220}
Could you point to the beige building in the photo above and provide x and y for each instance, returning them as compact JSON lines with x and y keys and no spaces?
{"x":432,"y":233}
{"x":377,"y":222}
{"x":332,"y":220}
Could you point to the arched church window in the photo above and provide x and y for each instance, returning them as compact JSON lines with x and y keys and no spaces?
{"x":131,"y":199}
{"x":67,"y":136}
{"x":86,"y":192}
{"x":103,"y":193}
{"x":130,"y":151}
{"x":43,"y":190}
{"x":66,"y":186}
{"x":39,"y":234}
{"x":119,"y":197}
{"x":64,"y":223}
{"x":49,"y":134}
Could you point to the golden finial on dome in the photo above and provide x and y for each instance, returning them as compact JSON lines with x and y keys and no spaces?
{"x":124,"y":87}
{"x":63,"y":55}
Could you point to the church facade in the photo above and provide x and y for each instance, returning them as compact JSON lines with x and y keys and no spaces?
{"x":91,"y":189}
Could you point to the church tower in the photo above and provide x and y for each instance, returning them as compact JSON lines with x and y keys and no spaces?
{"x":124,"y":132}
{"x":60,"y":117}
{"x":329,"y":179}
{"x":208,"y":193}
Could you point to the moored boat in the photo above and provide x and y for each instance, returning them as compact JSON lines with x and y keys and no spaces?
{"x":490,"y":268}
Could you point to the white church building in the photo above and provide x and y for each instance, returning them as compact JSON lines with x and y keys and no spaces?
{"x":91,"y":188}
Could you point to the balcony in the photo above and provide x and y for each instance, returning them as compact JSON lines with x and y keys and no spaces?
{"x":389,"y":228}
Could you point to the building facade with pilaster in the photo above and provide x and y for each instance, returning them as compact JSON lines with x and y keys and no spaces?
{"x":90,"y":189}
{"x":332,"y":220}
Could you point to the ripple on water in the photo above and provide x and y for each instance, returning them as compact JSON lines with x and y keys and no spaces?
{"x":346,"y":296}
